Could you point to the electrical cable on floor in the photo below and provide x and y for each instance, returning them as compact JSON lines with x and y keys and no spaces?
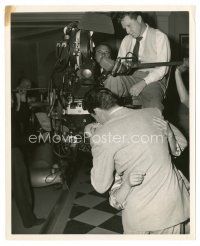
{"x":51,"y":174}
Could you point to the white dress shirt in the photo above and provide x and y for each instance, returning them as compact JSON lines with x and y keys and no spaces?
{"x":162,"y":48}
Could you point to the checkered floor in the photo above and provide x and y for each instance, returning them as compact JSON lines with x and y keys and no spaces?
{"x":91,"y":212}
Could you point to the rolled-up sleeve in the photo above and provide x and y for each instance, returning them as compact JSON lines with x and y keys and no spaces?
{"x":163,"y":55}
{"x":103,"y":166}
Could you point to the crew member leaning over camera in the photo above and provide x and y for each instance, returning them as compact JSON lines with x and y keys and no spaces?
{"x":147,"y":45}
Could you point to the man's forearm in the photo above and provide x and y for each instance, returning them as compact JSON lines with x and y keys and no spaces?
{"x":155,"y":75}
{"x":183,"y":94}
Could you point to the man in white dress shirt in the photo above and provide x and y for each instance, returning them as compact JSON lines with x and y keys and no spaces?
{"x":148,"y":45}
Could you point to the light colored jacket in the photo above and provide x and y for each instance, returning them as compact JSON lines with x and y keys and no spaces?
{"x":131,"y":140}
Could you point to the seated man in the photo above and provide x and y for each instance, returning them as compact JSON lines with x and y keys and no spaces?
{"x":147,"y":45}
{"x":22,"y":106}
{"x":101,"y":50}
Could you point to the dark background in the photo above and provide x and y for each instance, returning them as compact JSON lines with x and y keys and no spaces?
{"x":34,"y":37}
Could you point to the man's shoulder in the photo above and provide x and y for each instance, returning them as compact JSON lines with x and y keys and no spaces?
{"x":119,"y":120}
{"x":159,"y":34}
{"x":102,"y":130}
{"x":127,"y":38}
{"x":129,"y":113}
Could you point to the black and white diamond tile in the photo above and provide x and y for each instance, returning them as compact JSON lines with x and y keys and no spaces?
{"x":76,"y":227}
{"x":95,"y":193}
{"x":93,"y":217}
{"x":79,"y":194}
{"x":113,"y":224}
{"x":105,"y":206}
{"x":98,"y":230}
{"x":76,"y":210}
{"x":89,"y":200}
{"x":91,"y":212}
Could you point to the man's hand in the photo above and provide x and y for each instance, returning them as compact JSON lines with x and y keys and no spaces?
{"x":138,"y":88}
{"x":135,"y":178}
{"x":184,"y":67}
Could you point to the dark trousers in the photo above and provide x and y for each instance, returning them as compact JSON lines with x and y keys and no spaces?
{"x":151,"y":96}
{"x":21,"y":187}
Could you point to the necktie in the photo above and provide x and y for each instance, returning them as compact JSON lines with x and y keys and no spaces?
{"x":136,"y":49}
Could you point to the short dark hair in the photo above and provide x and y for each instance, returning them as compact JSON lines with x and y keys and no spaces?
{"x":103,"y":44}
{"x":21,"y":79}
{"x":132,"y":15}
{"x":99,"y":97}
